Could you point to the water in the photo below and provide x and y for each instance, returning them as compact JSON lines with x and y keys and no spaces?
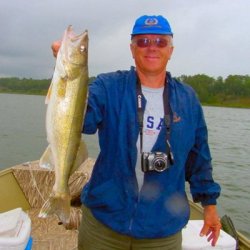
{"x":22,"y":130}
{"x":229,"y":138}
{"x":23,"y":138}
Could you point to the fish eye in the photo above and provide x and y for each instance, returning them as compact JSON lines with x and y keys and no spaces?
{"x":82,"y":48}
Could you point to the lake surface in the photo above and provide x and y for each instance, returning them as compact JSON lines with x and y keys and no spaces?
{"x":23,"y":138}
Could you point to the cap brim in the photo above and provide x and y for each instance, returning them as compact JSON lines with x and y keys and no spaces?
{"x":152,"y":32}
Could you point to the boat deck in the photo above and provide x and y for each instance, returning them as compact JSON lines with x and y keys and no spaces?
{"x":49,"y":234}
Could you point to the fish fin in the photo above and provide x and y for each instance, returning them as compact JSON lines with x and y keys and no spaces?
{"x":48,"y":94}
{"x":47,"y":161}
{"x":59,"y":205}
{"x":82,"y":155}
{"x":62,"y":86}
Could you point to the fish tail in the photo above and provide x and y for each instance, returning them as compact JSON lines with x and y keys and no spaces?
{"x":59,"y":205}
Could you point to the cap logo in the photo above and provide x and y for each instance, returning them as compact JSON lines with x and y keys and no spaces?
{"x":151,"y":21}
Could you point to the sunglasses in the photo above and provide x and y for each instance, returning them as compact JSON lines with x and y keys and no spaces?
{"x":146,"y":42}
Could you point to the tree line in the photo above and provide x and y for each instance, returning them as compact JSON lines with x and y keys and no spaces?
{"x":233,"y":91}
{"x":26,"y":86}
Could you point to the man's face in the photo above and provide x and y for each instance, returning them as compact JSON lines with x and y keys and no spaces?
{"x":151,"y":52}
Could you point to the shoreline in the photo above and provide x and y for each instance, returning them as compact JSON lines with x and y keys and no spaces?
{"x":233,"y":104}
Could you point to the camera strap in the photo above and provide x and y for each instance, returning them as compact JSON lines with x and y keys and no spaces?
{"x":167,"y":121}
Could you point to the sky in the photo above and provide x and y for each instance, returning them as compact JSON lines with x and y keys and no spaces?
{"x":211,"y":37}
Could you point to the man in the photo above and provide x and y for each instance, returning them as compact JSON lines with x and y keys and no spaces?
{"x":152,"y":137}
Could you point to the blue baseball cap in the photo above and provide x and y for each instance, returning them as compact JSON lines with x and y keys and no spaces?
{"x":151,"y":25}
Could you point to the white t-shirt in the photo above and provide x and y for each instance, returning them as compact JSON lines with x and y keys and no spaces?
{"x":152,"y":123}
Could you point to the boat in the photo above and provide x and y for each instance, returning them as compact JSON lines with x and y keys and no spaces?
{"x":27,"y":186}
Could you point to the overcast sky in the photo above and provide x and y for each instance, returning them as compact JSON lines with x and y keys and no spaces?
{"x":210,"y":36}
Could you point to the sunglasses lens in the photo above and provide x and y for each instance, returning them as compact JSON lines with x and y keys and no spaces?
{"x":146,"y":42}
{"x":143,"y":42}
{"x":161,"y":43}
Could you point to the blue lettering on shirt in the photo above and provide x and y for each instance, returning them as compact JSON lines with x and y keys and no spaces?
{"x":151,"y":123}
{"x":160,"y":124}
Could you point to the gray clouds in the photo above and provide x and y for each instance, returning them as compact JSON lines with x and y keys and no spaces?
{"x":211,"y":37}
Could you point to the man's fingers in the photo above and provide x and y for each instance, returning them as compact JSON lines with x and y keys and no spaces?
{"x":204,"y":230}
{"x":212,"y":233}
{"x":55,"y":47}
{"x":216,"y":235}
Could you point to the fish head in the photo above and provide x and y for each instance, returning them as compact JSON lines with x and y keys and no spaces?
{"x":74,"y":48}
{"x":71,"y":62}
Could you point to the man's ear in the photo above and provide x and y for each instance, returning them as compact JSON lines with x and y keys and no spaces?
{"x":132,"y":49}
{"x":171,"y":52}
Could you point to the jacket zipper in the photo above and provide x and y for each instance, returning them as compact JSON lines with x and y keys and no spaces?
{"x":135,"y":208}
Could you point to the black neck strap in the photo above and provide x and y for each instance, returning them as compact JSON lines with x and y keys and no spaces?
{"x":167,"y":110}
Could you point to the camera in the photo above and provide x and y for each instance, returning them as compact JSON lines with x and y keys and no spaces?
{"x":154,"y":161}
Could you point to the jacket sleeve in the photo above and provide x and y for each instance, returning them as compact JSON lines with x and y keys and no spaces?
{"x":95,"y":108}
{"x":199,"y":168}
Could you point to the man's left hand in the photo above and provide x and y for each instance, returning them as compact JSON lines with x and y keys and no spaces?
{"x":212,"y":225}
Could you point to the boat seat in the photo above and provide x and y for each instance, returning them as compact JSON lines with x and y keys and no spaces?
{"x":37,"y":183}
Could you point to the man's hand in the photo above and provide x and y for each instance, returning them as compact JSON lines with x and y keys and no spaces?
{"x":55,"y":47}
{"x":212,"y":225}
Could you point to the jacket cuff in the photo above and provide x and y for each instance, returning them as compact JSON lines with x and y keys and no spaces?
{"x":209,"y":202}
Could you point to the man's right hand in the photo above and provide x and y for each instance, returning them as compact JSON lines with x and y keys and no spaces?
{"x":55,"y":47}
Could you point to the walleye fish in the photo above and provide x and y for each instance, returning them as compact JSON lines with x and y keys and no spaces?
{"x":67,"y":101}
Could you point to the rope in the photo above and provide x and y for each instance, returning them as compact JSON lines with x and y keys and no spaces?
{"x":33,"y":179}
{"x":34,"y":182}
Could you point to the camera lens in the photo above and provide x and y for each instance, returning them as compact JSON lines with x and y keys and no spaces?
{"x":160,"y":164}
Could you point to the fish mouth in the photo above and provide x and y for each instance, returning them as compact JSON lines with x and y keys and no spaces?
{"x":75,"y":46}
{"x":70,"y":33}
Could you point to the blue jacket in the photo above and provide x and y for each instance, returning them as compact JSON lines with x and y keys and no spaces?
{"x":162,"y":207}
